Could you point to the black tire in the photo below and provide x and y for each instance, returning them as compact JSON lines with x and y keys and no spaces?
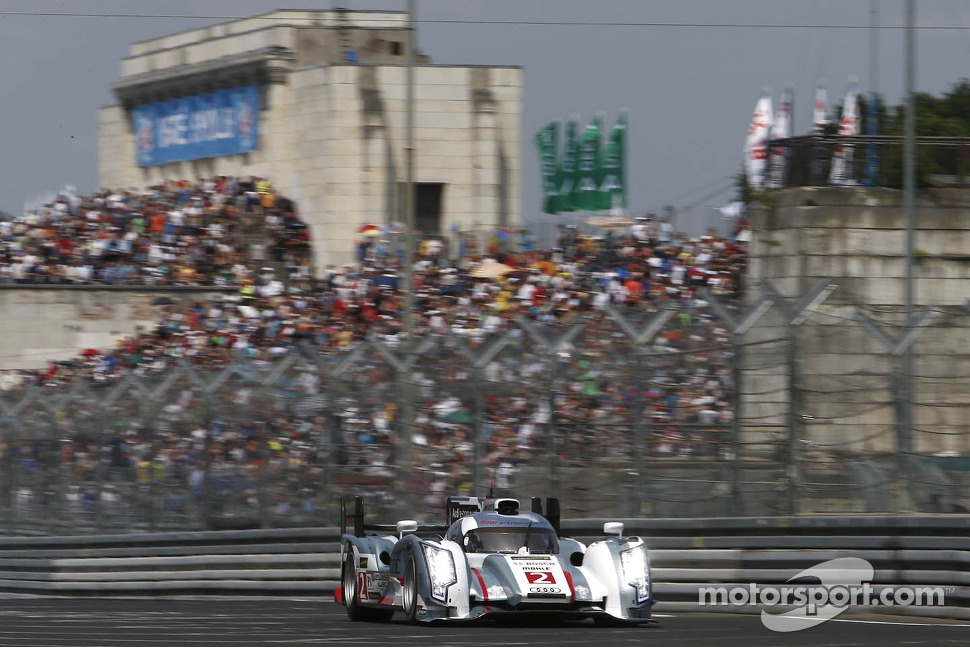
{"x":355,"y":610}
{"x":409,"y":592}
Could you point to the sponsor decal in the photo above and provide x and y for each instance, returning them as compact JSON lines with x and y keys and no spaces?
{"x":372,"y":586}
{"x":495,"y":592}
{"x":505,"y":523}
{"x":460,"y":511}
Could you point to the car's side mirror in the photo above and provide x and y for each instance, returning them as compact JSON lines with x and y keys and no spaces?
{"x":613,"y":528}
{"x":407,"y":526}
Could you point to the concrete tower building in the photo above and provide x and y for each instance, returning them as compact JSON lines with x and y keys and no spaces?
{"x":314,"y":101}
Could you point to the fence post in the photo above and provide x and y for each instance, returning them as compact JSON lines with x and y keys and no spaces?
{"x":264,"y":501}
{"x":206,"y":498}
{"x":61,"y":512}
{"x":478,"y":363}
{"x":330,"y":435}
{"x":553,"y":348}
{"x":404,"y":449}
{"x":639,"y":338}
{"x":478,"y":429}
{"x":739,"y":326}
{"x":639,"y":455}
{"x":901,"y":348}
{"x":796,"y":317}
{"x":962,"y":152}
{"x":332,"y":422}
{"x":7,"y":478}
{"x":553,"y":448}
{"x":100,"y":468}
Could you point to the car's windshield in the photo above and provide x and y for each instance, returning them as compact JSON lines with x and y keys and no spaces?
{"x":511,"y":540}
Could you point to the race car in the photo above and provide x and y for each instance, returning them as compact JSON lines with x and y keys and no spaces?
{"x":490,"y":558}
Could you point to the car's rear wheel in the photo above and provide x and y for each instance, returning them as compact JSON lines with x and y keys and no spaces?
{"x":351,"y":594}
{"x":409,"y":593}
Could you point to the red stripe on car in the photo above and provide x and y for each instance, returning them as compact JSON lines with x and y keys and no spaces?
{"x":569,"y":581}
{"x":481,"y":583}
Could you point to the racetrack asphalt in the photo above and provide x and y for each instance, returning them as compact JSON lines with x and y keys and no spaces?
{"x":45,"y":622}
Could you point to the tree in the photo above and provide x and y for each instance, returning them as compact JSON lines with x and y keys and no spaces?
{"x":947,"y":116}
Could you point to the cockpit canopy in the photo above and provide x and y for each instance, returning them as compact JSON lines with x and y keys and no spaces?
{"x":510,"y":540}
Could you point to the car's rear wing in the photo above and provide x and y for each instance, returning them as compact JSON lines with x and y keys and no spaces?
{"x":352,"y":518}
{"x":551,"y":513}
{"x":456,"y":507}
{"x":352,"y":515}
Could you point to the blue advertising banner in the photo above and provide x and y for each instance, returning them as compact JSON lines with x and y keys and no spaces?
{"x":205,"y":125}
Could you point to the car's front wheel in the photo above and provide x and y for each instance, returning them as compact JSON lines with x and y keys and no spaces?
{"x":409,"y":594}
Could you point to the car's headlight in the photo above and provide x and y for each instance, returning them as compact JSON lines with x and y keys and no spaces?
{"x":636,"y":571}
{"x":441,"y":570}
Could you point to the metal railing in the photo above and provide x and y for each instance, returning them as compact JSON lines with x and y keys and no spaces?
{"x":687,"y":557}
{"x":807,"y":161}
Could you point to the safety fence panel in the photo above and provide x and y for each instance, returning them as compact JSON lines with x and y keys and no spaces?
{"x":671,"y":408}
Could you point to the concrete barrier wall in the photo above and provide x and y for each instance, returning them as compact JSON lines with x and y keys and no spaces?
{"x":686,"y":556}
{"x":44,"y":323}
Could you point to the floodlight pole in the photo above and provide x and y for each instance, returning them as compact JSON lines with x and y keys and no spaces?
{"x":904,"y":443}
{"x":409,"y":216}
{"x":404,"y":458}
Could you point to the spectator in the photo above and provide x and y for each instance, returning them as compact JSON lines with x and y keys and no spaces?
{"x":193,"y":234}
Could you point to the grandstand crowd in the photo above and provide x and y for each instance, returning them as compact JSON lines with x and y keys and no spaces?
{"x":241,"y":234}
{"x":176,"y":233}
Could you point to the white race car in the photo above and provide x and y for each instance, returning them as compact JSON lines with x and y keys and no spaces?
{"x":493,"y":558}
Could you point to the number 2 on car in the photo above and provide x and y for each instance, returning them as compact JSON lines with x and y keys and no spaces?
{"x":540,"y":577}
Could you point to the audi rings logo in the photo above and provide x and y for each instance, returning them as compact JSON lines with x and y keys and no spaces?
{"x":544,"y":589}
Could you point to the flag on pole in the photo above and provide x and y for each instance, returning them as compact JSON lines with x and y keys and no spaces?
{"x":568,"y":170}
{"x":820,"y":111}
{"x":819,"y":121}
{"x":756,"y":144}
{"x":872,"y":129}
{"x":612,"y":188}
{"x":841,"y":172}
{"x":781,"y":129}
{"x":589,"y":161}
{"x":547,"y":142}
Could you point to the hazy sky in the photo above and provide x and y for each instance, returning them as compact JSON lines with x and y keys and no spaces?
{"x":689,"y":71}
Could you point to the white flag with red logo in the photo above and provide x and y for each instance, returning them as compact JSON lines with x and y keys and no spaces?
{"x":756,"y":145}
{"x":781,"y":129}
{"x":841,"y":172}
{"x":819,"y":119}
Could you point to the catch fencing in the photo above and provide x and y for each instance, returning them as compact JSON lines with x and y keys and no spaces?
{"x":666,"y":408}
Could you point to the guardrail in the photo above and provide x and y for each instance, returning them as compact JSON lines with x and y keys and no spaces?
{"x":292,"y":562}
{"x":686,"y":555}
